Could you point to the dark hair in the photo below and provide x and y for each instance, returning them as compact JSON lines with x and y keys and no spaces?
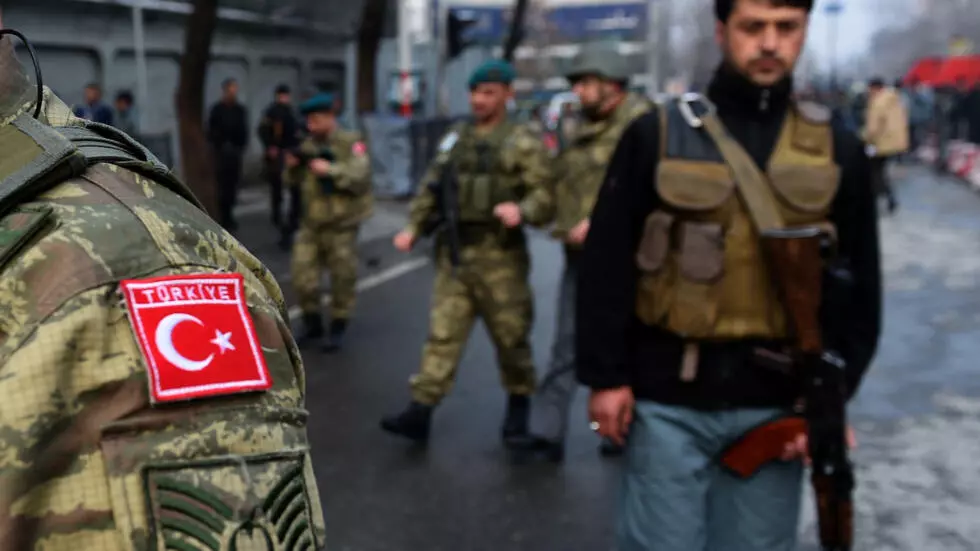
{"x":724,"y":8}
{"x":94,"y":86}
{"x":228,"y":82}
{"x":876,"y":82}
{"x":125,"y":95}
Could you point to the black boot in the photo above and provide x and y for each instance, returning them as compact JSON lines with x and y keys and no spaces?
{"x":413,"y":423}
{"x":531,"y":447}
{"x":515,"y":422}
{"x":608,"y":448}
{"x":312,"y":330}
{"x":337,"y":329}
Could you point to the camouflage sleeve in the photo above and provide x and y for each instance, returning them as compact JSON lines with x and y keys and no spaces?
{"x":352,"y":170}
{"x":87,"y":463}
{"x":538,"y":204}
{"x":424,"y":203}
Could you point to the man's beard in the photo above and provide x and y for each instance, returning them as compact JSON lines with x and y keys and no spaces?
{"x":592,"y":112}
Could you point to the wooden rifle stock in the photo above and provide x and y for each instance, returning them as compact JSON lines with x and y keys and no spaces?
{"x":761,"y":445}
{"x":796,"y":265}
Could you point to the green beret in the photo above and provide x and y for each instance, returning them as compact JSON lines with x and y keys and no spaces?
{"x":316,"y":104}
{"x":495,"y":70}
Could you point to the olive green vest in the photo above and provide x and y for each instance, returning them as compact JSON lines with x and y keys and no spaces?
{"x":486,"y":175}
{"x":703,"y":274}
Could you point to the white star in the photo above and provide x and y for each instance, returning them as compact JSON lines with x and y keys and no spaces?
{"x":222,"y":341}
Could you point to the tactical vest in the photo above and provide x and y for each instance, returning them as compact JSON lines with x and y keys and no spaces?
{"x":703,"y":275}
{"x":38,"y":157}
{"x":486,"y":172}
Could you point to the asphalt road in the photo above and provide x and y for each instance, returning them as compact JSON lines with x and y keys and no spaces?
{"x":917,"y":416}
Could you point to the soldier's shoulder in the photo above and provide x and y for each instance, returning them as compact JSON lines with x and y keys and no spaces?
{"x":524,"y":137}
{"x":814,"y":112}
{"x":85,"y":232}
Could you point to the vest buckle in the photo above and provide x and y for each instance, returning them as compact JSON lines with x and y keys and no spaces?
{"x":685,"y":103}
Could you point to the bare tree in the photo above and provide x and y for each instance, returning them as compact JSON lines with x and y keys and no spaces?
{"x":368,"y":42}
{"x":194,"y":148}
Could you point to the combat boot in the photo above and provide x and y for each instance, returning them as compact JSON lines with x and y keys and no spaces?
{"x":516,"y":420}
{"x":413,"y":423}
{"x":312,"y":330}
{"x":530,"y":447}
{"x":337,"y":329}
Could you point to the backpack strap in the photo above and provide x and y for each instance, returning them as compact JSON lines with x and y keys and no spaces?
{"x":101,"y":143}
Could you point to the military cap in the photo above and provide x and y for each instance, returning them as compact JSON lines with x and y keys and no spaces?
{"x":318,"y":103}
{"x":495,"y":70}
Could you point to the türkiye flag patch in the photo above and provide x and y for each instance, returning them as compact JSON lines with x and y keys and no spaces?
{"x":196,"y":336}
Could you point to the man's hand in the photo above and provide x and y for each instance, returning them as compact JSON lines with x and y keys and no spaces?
{"x":404,"y":241}
{"x":800,"y":447}
{"x":576,"y":236}
{"x":509,"y":214}
{"x":613,"y":410}
{"x":292,"y":161}
{"x":320,"y":167}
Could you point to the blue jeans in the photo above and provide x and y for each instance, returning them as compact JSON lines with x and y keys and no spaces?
{"x":677,"y":498}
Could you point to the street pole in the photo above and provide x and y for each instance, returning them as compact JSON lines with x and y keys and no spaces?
{"x":405,"y":57}
{"x":833,"y":10}
{"x":139,"y":54}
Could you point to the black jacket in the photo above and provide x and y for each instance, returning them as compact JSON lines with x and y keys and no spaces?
{"x":615,"y":349}
{"x":228,"y":127}
{"x":279,"y":127}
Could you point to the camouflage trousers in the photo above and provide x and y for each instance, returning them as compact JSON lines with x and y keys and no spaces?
{"x":492,"y":286}
{"x":334,"y":249}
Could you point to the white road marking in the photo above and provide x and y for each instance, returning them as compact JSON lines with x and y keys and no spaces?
{"x":372,"y":281}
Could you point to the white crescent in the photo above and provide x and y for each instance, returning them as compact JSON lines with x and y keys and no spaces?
{"x":165,"y":343}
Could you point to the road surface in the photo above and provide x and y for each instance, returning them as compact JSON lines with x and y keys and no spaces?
{"x":917,"y":416}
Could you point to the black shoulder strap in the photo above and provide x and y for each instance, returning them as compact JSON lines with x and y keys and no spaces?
{"x":101,"y":143}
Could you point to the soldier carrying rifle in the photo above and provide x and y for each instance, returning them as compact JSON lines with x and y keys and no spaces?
{"x":729,"y":301}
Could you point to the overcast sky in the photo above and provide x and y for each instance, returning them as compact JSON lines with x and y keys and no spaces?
{"x":856,"y":25}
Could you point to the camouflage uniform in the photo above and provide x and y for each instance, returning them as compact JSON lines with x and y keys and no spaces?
{"x":86,"y":462}
{"x":507,"y":164}
{"x":492,"y":282}
{"x":328,"y":229}
{"x":579,"y":172}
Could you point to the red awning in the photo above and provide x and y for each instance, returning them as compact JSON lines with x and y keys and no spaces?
{"x":925,"y":70}
{"x":958,"y":68}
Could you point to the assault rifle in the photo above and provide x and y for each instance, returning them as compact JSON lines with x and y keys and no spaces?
{"x":446,"y":217}
{"x":325,"y":153}
{"x":796,"y":258}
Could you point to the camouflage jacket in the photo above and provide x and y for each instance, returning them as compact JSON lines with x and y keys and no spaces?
{"x":520,"y":163}
{"x":88,"y":462}
{"x":580,"y":169}
{"x":350,"y":200}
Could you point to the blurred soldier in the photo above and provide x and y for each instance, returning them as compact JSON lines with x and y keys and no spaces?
{"x":886,"y":132}
{"x":500,"y":172}
{"x":279,"y":132}
{"x":332,"y":172}
{"x":149,"y":377}
{"x":228,"y":134}
{"x":599,"y":78}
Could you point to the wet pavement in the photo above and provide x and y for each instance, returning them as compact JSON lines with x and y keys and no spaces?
{"x":917,"y":415}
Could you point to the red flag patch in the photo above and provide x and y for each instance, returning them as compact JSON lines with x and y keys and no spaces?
{"x":359,"y":149}
{"x":196,"y":336}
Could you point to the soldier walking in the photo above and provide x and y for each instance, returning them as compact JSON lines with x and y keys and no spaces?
{"x":598,"y":77}
{"x":332,"y":173}
{"x":684,"y":334}
{"x":500,"y":171}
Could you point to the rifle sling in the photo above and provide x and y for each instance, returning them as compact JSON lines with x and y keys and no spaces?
{"x":752,"y":184}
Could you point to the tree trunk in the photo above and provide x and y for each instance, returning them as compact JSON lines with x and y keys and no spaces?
{"x":368,"y":43}
{"x":195,"y":151}
{"x":516,"y":33}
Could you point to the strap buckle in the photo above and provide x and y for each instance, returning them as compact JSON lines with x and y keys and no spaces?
{"x":684,"y":103}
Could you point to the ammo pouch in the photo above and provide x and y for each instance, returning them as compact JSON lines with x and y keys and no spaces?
{"x":703,"y":274}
